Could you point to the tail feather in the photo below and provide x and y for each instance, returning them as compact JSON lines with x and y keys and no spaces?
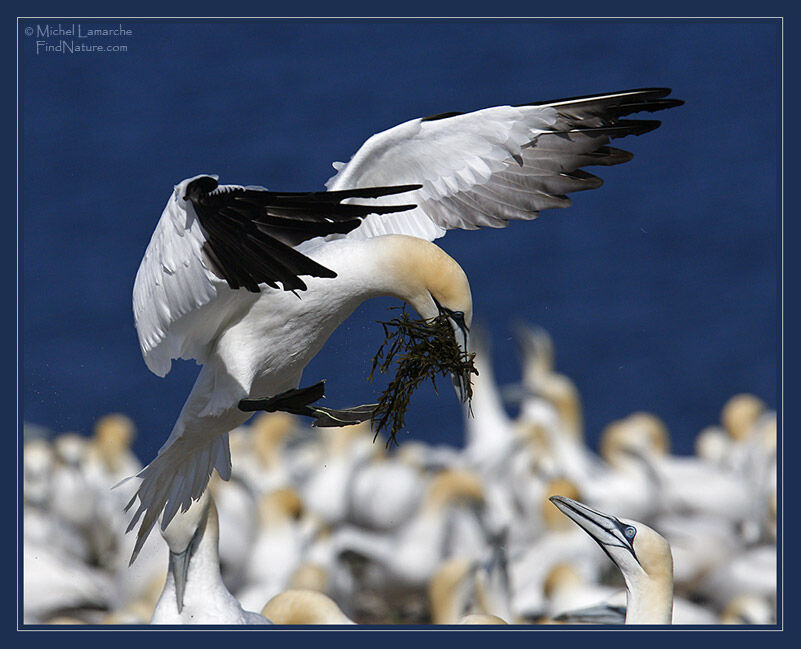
{"x":178,"y":476}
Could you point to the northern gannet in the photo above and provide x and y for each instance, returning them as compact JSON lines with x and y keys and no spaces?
{"x":450,"y":590}
{"x":407,"y":557}
{"x":541,"y":379}
{"x":194,"y":592}
{"x":490,"y":437}
{"x":385,"y":493}
{"x":558,"y":541}
{"x":220,"y":281}
{"x":304,"y":607}
{"x":480,"y":618}
{"x":237,"y":511}
{"x":456,"y":592}
{"x":277,"y":550}
{"x":641,"y":554}
{"x":326,"y":492}
{"x":109,"y":454}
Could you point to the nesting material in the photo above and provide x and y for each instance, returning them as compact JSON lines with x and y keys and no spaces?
{"x":424,"y":349}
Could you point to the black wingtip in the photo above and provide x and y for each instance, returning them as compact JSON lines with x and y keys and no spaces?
{"x":438,"y":116}
{"x":369,"y":192}
{"x":639,"y":96}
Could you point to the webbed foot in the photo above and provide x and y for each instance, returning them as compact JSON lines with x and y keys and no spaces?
{"x":298,"y":401}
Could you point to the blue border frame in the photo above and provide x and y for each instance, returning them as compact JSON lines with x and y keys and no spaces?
{"x":786,"y":315}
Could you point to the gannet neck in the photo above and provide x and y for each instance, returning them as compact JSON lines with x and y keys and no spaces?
{"x":649,"y":599}
{"x":649,"y":582}
{"x":448,"y":590}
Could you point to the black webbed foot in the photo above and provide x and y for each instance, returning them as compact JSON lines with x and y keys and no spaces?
{"x":294,"y":401}
{"x":299,"y":402}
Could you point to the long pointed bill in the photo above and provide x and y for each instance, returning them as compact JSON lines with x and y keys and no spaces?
{"x":179,"y":564}
{"x":605,"y":529}
{"x":460,"y":335}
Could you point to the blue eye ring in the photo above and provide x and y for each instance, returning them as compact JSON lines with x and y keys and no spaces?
{"x":630,"y":532}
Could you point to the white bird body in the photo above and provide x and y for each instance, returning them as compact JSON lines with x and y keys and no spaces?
{"x":55,"y":581}
{"x":410,"y":555}
{"x":529,"y":571}
{"x":695,"y":485}
{"x":700,"y":544}
{"x":212,"y":242}
{"x":277,"y":550}
{"x":326,"y":492}
{"x":489,"y":434}
{"x":753,"y":572}
{"x":236,"y":508}
{"x":194,"y":592}
{"x":384,"y":494}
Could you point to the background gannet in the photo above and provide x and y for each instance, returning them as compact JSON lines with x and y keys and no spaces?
{"x":541,"y":379}
{"x":277,"y":549}
{"x":480,"y":618}
{"x":557,"y":541}
{"x":194,"y":592}
{"x":304,"y":607}
{"x":410,"y":555}
{"x":641,"y":554}
{"x":450,"y":590}
{"x":209,"y":285}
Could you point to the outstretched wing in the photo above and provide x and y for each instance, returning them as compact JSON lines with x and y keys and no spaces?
{"x":213,"y":240}
{"x":490,"y":166}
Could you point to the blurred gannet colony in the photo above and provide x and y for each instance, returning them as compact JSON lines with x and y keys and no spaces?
{"x":327,"y":526}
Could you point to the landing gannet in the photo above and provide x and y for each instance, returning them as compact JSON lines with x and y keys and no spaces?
{"x":642,"y":555}
{"x":220,"y":281}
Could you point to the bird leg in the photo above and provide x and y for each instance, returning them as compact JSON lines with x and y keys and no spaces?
{"x":298,"y":401}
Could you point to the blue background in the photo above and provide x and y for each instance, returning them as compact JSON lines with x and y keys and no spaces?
{"x":659,"y":289}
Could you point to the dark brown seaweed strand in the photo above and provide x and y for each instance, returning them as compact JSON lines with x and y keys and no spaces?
{"x":423,"y":349}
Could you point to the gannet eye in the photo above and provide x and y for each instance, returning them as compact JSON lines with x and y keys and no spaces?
{"x":629,"y":532}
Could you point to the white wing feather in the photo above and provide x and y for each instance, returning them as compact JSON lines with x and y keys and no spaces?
{"x":174,"y":290}
{"x":449,"y":157}
{"x":484,"y":168}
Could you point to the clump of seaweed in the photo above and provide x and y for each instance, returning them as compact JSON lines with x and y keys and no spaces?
{"x":425,"y":349}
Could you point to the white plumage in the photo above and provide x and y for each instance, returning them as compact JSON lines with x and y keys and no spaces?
{"x":213,"y":242}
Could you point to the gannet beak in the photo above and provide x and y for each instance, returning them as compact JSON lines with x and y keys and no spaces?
{"x":585,"y":517}
{"x":606,"y":530}
{"x":179,"y":562}
{"x":461,"y":334}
